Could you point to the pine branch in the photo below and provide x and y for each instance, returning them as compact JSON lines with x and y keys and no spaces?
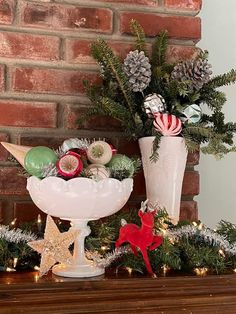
{"x":139,"y":33}
{"x":214,"y":99}
{"x":159,"y":49}
{"x":104,"y":54}
{"x":155,"y":147}
{"x":222,"y":80}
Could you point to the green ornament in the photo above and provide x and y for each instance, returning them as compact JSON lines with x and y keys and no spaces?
{"x":37,"y":159}
{"x":121,"y":167}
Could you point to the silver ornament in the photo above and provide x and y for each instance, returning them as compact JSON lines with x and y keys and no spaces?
{"x":154,"y":103}
{"x":192,"y":114}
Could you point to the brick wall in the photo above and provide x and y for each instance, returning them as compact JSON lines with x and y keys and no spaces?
{"x":44,"y":56}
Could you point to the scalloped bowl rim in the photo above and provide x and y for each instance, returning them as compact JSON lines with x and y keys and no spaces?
{"x":109,"y":195}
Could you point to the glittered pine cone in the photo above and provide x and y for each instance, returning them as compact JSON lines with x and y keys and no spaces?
{"x":138,"y":70}
{"x":196,"y":72}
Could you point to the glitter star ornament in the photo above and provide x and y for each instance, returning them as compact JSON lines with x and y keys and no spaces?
{"x":54,"y":247}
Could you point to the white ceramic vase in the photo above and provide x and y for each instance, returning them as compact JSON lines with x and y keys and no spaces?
{"x":79,"y":200}
{"x":164,"y":177}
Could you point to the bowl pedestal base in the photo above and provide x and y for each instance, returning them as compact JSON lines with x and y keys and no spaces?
{"x":81,"y":266}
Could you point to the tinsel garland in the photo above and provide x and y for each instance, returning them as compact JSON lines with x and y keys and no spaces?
{"x":207,"y":235}
{"x":15,"y":235}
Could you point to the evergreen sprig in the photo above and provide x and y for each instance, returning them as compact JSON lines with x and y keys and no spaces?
{"x":115,"y":97}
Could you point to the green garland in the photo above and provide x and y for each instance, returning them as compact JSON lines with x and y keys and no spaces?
{"x":186,"y":248}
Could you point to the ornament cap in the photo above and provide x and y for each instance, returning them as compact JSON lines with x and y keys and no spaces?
{"x":17,"y":151}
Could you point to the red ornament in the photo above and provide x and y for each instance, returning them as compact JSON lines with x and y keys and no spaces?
{"x":167,"y":124}
{"x":69,"y":165}
{"x":142,"y":238}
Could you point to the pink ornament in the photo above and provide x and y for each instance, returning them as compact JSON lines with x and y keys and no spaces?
{"x":167,"y":124}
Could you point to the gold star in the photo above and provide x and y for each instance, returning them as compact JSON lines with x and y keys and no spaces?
{"x":54,"y":247}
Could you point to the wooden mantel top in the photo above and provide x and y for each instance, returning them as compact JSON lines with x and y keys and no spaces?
{"x":26,"y":293}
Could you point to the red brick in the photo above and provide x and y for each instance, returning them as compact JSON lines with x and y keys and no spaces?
{"x":1,"y":212}
{"x":177,"y":26}
{"x":52,"y":142}
{"x":27,"y":212}
{"x":7,"y":11}
{"x":129,"y":148}
{"x":179,"y":53}
{"x":79,"y":50}
{"x":190,"y":183}
{"x":193,"y":158}
{"x":50,"y":81}
{"x":11,"y":182}
{"x":60,"y":17}
{"x":153,"y":3}
{"x":194,"y":5}
{"x":28,"y":114}
{"x":3,"y":152}
{"x":27,"y":46}
{"x":72,"y":113}
{"x":188,"y":211}
{"x":2,"y":81}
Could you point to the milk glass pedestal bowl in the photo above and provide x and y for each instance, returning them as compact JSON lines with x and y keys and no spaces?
{"x":79,"y":200}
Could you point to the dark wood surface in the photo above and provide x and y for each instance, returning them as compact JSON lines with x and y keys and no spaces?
{"x":26,"y":293}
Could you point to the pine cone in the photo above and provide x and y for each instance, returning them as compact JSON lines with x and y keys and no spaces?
{"x":197,"y":72}
{"x":138,"y":70}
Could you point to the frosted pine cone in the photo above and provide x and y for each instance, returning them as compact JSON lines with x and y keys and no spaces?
{"x":138,"y":70}
{"x":197,"y":72}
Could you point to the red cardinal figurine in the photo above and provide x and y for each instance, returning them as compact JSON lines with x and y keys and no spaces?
{"x":142,"y":238}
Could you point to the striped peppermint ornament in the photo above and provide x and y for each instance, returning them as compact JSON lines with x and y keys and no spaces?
{"x":167,"y":124}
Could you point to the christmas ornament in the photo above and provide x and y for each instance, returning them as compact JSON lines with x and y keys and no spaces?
{"x":18,"y":152}
{"x":195,"y":72}
{"x":153,"y":104}
{"x":121,"y":167}
{"x":69,"y":165}
{"x":99,"y":152}
{"x":54,"y":247}
{"x":167,"y":124}
{"x":74,"y":143}
{"x":192,"y":114}
{"x":98,"y":172}
{"x":138,"y":70}
{"x":142,"y":237}
{"x":38,"y":158}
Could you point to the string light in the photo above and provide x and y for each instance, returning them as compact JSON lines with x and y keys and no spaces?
{"x":235,"y":270}
{"x":8,"y":269}
{"x":129,"y":270}
{"x":221,"y":252}
{"x":165,"y":269}
{"x":36,"y":267}
{"x":201,"y":271}
{"x":194,"y":223}
{"x":13,"y":222}
{"x":39,"y":222}
{"x":15,"y":260}
{"x":104,"y":248}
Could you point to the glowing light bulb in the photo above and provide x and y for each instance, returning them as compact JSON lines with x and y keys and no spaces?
{"x":201,"y":271}
{"x":130,"y":270}
{"x":8,"y":269}
{"x":36,"y":267}
{"x":221,"y":252}
{"x":39,"y":220}
{"x":13,"y":222}
{"x":15,"y":260}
